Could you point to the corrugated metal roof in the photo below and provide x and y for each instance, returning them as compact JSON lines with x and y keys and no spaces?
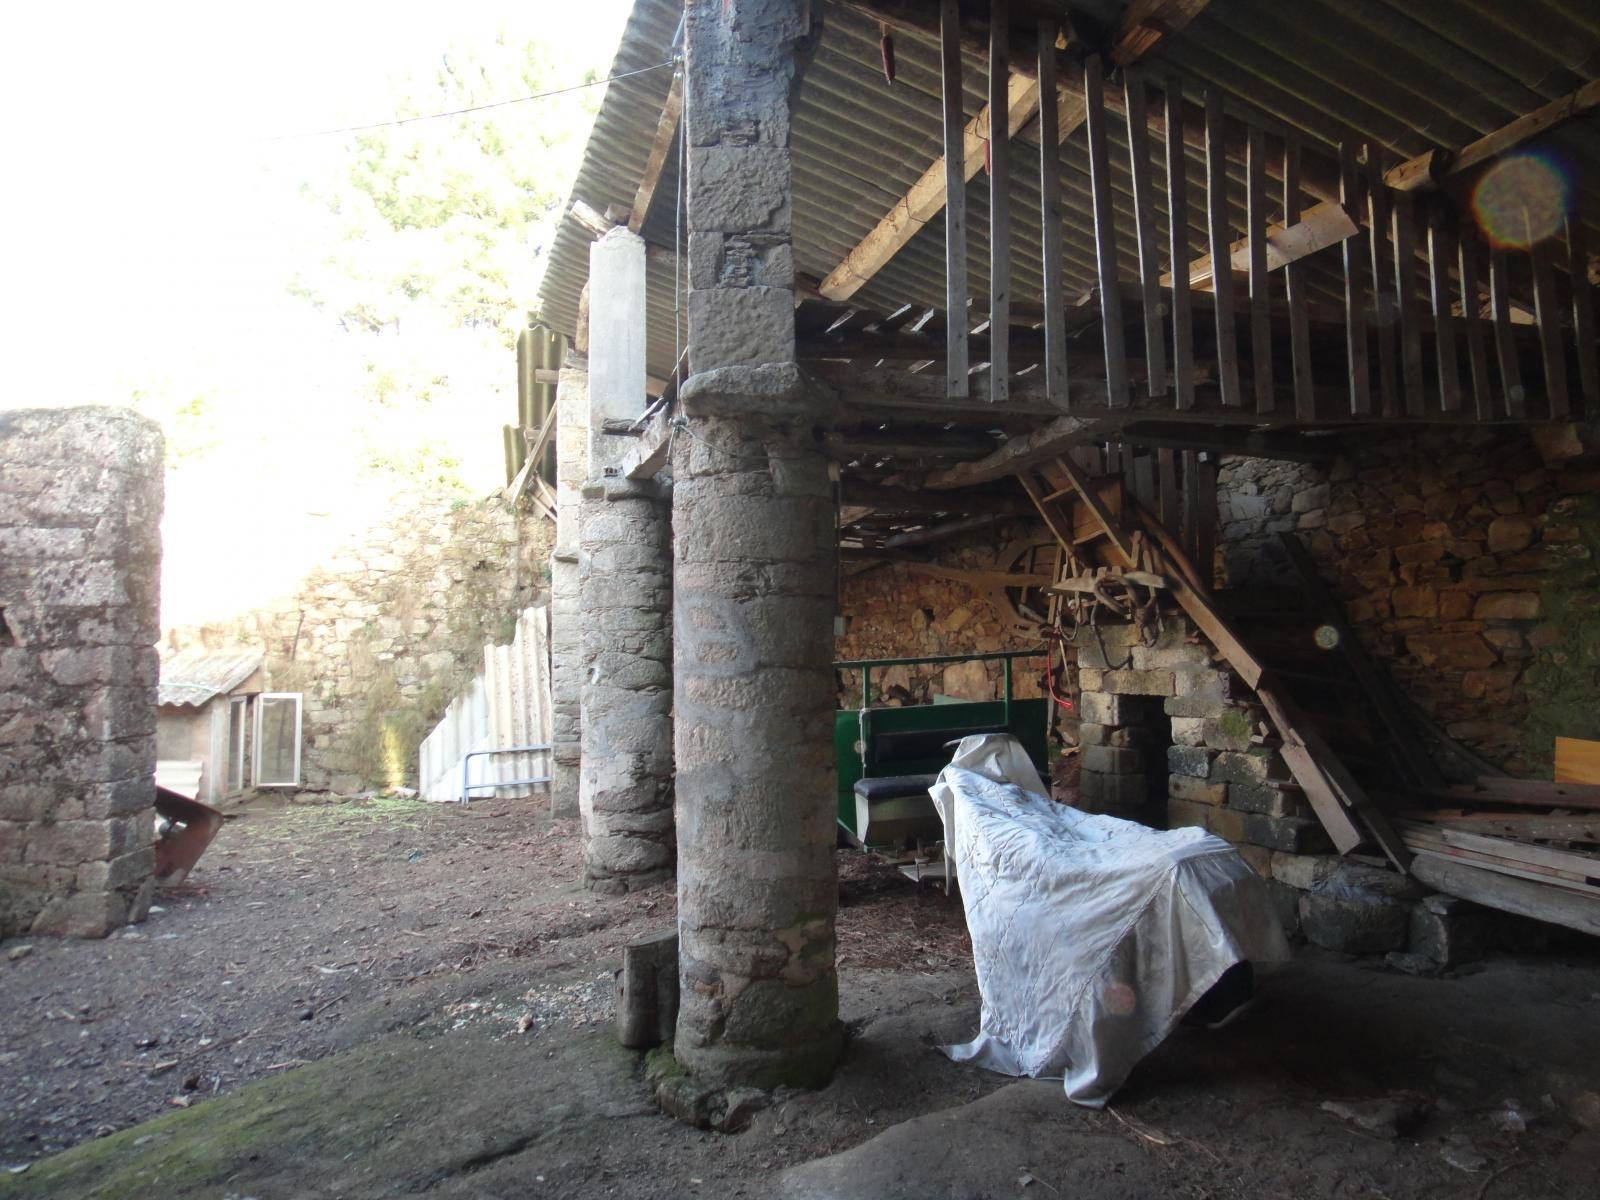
{"x":195,"y":677}
{"x":1401,"y":75}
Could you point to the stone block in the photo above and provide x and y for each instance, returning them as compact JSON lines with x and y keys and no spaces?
{"x":1120,"y":795}
{"x":1138,"y":683}
{"x":1194,"y":706}
{"x":1188,"y":731}
{"x":1190,"y":760}
{"x":1102,"y":708}
{"x":1202,"y":683}
{"x":1507,"y":606}
{"x":1269,"y":799}
{"x":1450,"y":939}
{"x":1257,"y":765}
{"x":1353,"y":921}
{"x":1166,"y":658}
{"x":1292,"y":835}
{"x":1112,"y":760}
{"x":1196,"y":791}
{"x":1508,"y":534}
{"x":1303,"y":871}
{"x":1231,"y":731}
{"x":1090,"y":679}
{"x":1223,"y":822}
{"x":1090,"y":734}
{"x":1285,"y":902}
{"x":1258,"y":857}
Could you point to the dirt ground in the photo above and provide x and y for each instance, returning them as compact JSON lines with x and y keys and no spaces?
{"x":381,"y":997}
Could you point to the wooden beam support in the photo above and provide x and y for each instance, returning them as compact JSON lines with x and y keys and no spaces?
{"x":955,"y":219}
{"x":1217,"y":235}
{"x":666,"y":131}
{"x":1552,"y":349}
{"x":1355,"y":290}
{"x":1505,"y":337}
{"x":1177,"y":165}
{"x":1446,"y":366}
{"x":1583,"y":324}
{"x":999,"y":205}
{"x":1326,"y":224}
{"x":1145,"y":229}
{"x":1105,"y":233}
{"x":1052,"y":247}
{"x":1260,"y":299}
{"x":1305,"y":397}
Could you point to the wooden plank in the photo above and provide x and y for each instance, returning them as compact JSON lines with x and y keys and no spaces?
{"x":1091,"y":498}
{"x":1217,"y":236}
{"x":1326,"y":225}
{"x":1167,"y":488}
{"x":1178,"y":240}
{"x":1355,"y":289}
{"x":1583,"y":868}
{"x":1447,"y":365}
{"x":1049,"y":513}
{"x":1505,"y":337}
{"x":1260,"y":299}
{"x":1105,"y":234}
{"x":1469,"y":271}
{"x":666,"y":131}
{"x":1189,"y":533}
{"x":1547,"y":313}
{"x":1405,"y":281}
{"x":1206,"y":535}
{"x":1305,"y":401}
{"x":1583,"y":325}
{"x":1526,"y":826}
{"x":1508,"y":894}
{"x":957,"y":367}
{"x":1577,"y":760}
{"x":1144,"y":217}
{"x":999,"y":205}
{"x":1418,"y":839}
{"x":1052,"y":248}
{"x":1385,"y":312}
{"x":1532,"y":793}
{"x":1324,"y":799}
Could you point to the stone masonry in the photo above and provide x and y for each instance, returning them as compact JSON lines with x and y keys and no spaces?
{"x":566,"y":635}
{"x":754,"y":586}
{"x":80,"y":556}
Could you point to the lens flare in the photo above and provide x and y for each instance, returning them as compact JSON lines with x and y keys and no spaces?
{"x":1520,"y":200}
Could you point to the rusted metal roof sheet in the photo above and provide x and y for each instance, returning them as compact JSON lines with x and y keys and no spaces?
{"x":1401,"y":75}
{"x":195,"y":677}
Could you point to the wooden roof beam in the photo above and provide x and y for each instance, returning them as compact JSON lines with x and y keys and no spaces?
{"x":666,"y":131}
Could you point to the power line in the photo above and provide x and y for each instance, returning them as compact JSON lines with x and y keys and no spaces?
{"x":459,"y":112}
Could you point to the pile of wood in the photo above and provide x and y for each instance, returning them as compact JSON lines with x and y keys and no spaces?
{"x":1527,"y":846}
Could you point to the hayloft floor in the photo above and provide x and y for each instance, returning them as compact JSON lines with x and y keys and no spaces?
{"x":380,"y":998}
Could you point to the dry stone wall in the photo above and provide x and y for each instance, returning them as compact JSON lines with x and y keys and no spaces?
{"x":383,"y":635}
{"x":80,"y":557}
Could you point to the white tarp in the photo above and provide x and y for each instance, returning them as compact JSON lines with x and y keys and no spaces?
{"x":1091,"y":936}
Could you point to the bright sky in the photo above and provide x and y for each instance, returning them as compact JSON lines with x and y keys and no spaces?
{"x":151,"y":226}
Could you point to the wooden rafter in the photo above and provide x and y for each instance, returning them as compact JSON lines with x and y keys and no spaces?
{"x":666,"y":130}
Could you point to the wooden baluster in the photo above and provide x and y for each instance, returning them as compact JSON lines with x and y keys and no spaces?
{"x":1505,"y":338}
{"x":1583,"y":326}
{"x":1444,"y":319}
{"x":1105,"y":234}
{"x":1144,"y":217}
{"x":1260,"y":299}
{"x":1305,"y":398}
{"x":957,"y":362}
{"x":999,"y":203}
{"x":1551,"y":348}
{"x":1178,"y":241}
{"x":1405,"y":290}
{"x":1191,"y":505}
{"x":1221,"y":251}
{"x":1384,"y":309}
{"x":1167,"y":487}
{"x":1354,"y":251}
{"x":1470,"y":272}
{"x":1051,"y":241}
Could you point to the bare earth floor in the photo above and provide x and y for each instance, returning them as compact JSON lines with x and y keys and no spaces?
{"x":387,"y":998}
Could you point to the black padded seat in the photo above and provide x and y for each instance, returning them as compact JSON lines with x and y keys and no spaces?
{"x":894,"y":787}
{"x":921,"y":744}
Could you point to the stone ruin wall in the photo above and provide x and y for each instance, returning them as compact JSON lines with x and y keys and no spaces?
{"x":382,"y":636}
{"x":80,"y":557}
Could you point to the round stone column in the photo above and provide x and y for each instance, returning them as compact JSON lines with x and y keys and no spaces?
{"x":625,"y":777}
{"x":754,"y":600}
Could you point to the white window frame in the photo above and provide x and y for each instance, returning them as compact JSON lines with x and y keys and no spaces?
{"x":299,"y":713}
{"x":238,"y":709}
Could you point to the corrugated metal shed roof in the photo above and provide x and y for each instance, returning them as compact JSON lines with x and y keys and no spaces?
{"x":1401,"y":75}
{"x":195,"y":677}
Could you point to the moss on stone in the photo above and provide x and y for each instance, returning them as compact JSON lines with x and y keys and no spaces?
{"x":1564,"y":677}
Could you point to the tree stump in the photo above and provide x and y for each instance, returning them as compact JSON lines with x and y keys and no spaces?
{"x":647,"y":990}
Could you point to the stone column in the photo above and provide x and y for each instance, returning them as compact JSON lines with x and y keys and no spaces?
{"x":754,"y":587}
{"x":566,"y":635}
{"x":625,"y":778}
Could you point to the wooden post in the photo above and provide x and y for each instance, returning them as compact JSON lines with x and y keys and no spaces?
{"x":1405,"y":290}
{"x":1355,"y":291}
{"x":1178,"y":239}
{"x":1155,"y":356}
{"x":1547,"y":313}
{"x":1385,"y":312}
{"x":1260,"y":301}
{"x":999,"y":203}
{"x":1444,"y":320}
{"x":1583,"y":326}
{"x":1305,"y":397}
{"x":1105,"y":234}
{"x":1050,"y":235}
{"x":957,"y":364}
{"x":1221,"y":250}
{"x":1505,"y":338}
{"x":1470,"y":274}
{"x":647,"y":990}
{"x":1167,"y":487}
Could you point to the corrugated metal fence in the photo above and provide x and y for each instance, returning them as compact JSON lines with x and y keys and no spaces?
{"x":497,"y":732}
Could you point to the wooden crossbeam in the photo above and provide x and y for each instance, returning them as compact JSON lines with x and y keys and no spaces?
{"x":1326,"y":224}
{"x":666,"y":130}
{"x":955,"y":217}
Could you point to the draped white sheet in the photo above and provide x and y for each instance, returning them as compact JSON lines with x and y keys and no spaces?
{"x":1091,"y":936}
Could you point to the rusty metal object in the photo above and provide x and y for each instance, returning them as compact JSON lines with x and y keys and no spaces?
{"x":191,"y":827}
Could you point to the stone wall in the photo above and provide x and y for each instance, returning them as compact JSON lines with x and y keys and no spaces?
{"x":80,"y":555}
{"x":893,"y":612}
{"x":384,"y":634}
{"x":1441,"y":548}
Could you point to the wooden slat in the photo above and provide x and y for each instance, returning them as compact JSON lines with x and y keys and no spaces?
{"x":1217,"y":236}
{"x":1206,"y":536}
{"x":1189,"y":534}
{"x":1052,"y":248}
{"x":999,"y":205}
{"x":1583,"y":868}
{"x":666,"y":131}
{"x":1543,"y":827}
{"x":1547,"y":313}
{"x":1167,"y":488}
{"x":1260,"y":299}
{"x":1446,"y":365}
{"x":1405,"y":280}
{"x":957,"y":366}
{"x":1583,"y":316}
{"x":1178,"y":240}
{"x":1505,"y":338}
{"x":1105,"y":233}
{"x":1354,"y":252}
{"x":1525,"y":793}
{"x":1144,"y":217}
{"x":1305,"y":400}
{"x":1385,"y":311}
{"x":1470,"y":272}
{"x":1326,"y":225}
